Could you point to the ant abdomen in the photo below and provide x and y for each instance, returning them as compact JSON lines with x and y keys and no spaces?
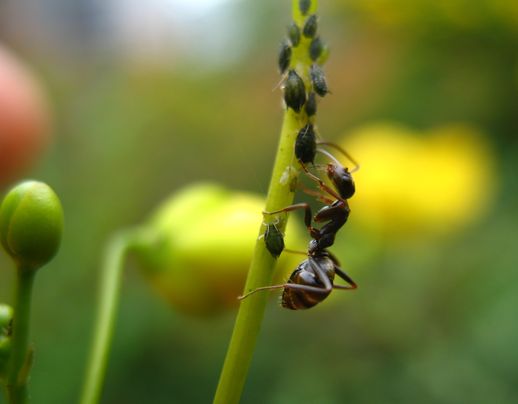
{"x":300,"y":299}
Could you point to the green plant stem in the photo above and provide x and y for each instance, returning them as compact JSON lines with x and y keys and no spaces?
{"x":19,"y":362}
{"x":109,"y":295}
{"x":251,"y":310}
{"x":280,"y":194}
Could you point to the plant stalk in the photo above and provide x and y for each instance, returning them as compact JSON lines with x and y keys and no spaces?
{"x":109,"y":297}
{"x":280,"y":194}
{"x":20,"y":358}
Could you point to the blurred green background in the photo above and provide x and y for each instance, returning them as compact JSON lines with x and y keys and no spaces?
{"x":150,"y":96}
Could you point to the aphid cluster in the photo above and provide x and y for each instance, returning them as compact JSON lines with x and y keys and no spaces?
{"x":296,"y":93}
{"x":313,"y":280}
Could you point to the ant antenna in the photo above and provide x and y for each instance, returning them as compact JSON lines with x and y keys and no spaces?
{"x":344,"y":153}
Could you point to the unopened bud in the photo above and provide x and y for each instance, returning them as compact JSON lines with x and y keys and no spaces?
{"x":31,"y":224}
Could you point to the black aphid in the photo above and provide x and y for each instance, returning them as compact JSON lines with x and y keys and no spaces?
{"x":318,"y":80}
{"x":306,"y":144}
{"x":284,"y":57}
{"x":294,"y":91}
{"x":310,"y":27}
{"x":294,"y":34}
{"x":304,"y":6}
{"x":315,"y":48}
{"x":311,"y":104}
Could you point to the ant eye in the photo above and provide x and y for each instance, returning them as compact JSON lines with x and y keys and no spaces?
{"x":306,"y":144}
{"x":310,"y":27}
{"x":311,"y":104}
{"x":284,"y":57}
{"x":315,"y":48}
{"x":304,"y":6}
{"x":294,"y":33}
{"x":294,"y":91}
{"x":274,"y":240}
{"x":318,"y":79}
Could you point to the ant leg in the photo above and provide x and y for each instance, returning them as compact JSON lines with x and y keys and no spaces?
{"x":322,"y":198}
{"x":288,"y":250}
{"x":321,"y":184}
{"x":307,"y":214}
{"x":346,"y":278}
{"x":273,"y":287}
{"x":322,"y":277}
{"x":344,"y":153}
{"x":296,"y":286}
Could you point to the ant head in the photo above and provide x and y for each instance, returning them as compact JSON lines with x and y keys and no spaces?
{"x":342,"y":180}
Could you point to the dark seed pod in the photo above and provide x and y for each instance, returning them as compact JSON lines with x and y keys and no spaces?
{"x":274,"y":240}
{"x":318,"y":80}
{"x":294,"y":34}
{"x":304,"y":6}
{"x":284,"y":57}
{"x":310,"y":27}
{"x":311,"y":104}
{"x":306,"y":144}
{"x":294,"y":91}
{"x":315,"y":48}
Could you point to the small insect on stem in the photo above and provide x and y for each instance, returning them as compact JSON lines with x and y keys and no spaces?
{"x":274,"y":240}
{"x":311,"y":104}
{"x":294,"y":91}
{"x":318,"y":80}
{"x":304,"y":6}
{"x":310,"y":27}
{"x":316,"y":47}
{"x":284,"y":57}
{"x":294,"y":34}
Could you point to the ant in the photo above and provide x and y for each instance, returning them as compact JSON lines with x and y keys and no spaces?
{"x":313,"y":280}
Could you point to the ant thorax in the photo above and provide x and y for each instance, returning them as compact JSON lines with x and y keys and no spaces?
{"x":312,"y":247}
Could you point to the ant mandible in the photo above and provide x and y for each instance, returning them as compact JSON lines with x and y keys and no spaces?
{"x":313,"y":280}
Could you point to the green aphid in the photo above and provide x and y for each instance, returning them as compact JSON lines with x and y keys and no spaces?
{"x":274,"y":240}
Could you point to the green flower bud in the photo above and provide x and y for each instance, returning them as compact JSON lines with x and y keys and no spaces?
{"x":31,"y":224}
{"x":201,"y":244}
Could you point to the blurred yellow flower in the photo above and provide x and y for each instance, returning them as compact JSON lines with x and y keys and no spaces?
{"x":202,"y":243}
{"x":408,"y":183}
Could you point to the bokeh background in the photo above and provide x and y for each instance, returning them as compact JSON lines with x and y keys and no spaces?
{"x":146,"y":97}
